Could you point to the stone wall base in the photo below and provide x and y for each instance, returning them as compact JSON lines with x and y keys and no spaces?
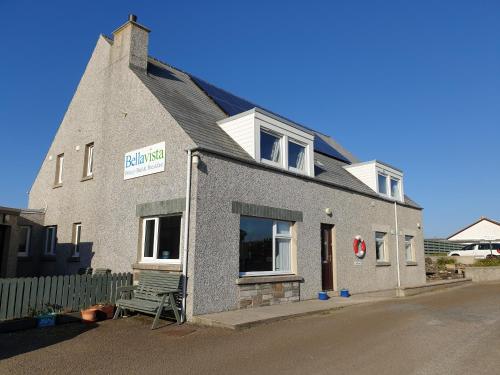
{"x":267,"y":294}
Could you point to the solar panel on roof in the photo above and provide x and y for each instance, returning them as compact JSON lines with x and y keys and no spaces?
{"x":232,"y":105}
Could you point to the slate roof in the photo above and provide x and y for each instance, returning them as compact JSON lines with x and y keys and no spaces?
{"x":197,"y":114}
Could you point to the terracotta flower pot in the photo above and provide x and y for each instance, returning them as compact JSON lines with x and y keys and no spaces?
{"x":109,"y":310}
{"x":89,"y":315}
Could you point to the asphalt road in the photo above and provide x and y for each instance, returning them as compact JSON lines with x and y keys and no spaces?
{"x":450,"y":332}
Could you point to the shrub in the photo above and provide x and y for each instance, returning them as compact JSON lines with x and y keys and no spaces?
{"x":443,"y":261}
{"x":489,"y":262}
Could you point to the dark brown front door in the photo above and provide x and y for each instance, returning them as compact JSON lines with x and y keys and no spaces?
{"x":326,"y":257}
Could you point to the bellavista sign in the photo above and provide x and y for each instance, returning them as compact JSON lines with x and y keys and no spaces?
{"x":144,"y":161}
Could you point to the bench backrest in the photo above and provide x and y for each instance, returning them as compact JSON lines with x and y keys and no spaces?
{"x":152,"y":282}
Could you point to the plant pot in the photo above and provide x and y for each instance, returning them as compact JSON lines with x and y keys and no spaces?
{"x":48,"y":320}
{"x":108,"y":310}
{"x":323,"y":296}
{"x":89,"y":315}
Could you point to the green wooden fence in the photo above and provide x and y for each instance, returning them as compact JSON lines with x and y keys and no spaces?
{"x":20,"y":296}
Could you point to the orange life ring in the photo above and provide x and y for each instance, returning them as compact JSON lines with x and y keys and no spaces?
{"x":359,"y":247}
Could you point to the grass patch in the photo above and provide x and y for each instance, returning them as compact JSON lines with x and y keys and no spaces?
{"x":491,"y":262}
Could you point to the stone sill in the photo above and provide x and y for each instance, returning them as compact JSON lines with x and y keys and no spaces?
{"x":410,"y":264}
{"x":245,"y":280}
{"x":383,"y":264}
{"x":157,"y":267}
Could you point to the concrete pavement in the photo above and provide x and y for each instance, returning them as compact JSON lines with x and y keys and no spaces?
{"x":456,"y":331}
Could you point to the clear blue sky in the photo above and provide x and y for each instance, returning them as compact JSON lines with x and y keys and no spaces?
{"x":412,"y":83}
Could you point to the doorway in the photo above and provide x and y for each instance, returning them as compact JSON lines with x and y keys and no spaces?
{"x":327,"y":257}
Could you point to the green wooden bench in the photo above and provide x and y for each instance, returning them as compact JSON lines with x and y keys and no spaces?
{"x":155,"y":294}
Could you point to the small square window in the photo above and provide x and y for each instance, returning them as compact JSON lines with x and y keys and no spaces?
{"x":77,"y":233}
{"x":50,"y":240}
{"x":24,"y":240}
{"x":161,"y":238}
{"x":270,"y":147}
{"x":59,"y":169}
{"x":88,"y":167}
{"x":380,"y":248}
{"x":409,"y":251}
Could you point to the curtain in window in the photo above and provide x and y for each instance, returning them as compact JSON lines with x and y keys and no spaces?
{"x":282,"y":260}
{"x":275,"y":153}
{"x":300,"y":160}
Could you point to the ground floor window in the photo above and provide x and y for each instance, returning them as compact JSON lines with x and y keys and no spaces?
{"x":24,"y":240}
{"x":380,"y":247}
{"x":409,"y":253}
{"x":77,"y":233}
{"x":265,"y":246}
{"x":50,"y":240}
{"x":161,"y":238}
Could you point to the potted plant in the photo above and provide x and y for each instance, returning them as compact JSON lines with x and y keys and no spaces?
{"x":46,"y":316}
{"x":100,"y":311}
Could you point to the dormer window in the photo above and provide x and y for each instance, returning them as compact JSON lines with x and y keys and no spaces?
{"x":296,"y":156}
{"x":384,"y":179}
{"x":272,"y":140}
{"x":270,"y":147}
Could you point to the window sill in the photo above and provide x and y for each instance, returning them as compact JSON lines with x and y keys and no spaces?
{"x":87,"y":178}
{"x":410,"y":264}
{"x":74,"y":259}
{"x":177,"y":267}
{"x":383,"y":264}
{"x":57,"y":186}
{"x":244,"y":280}
{"x":48,"y":258}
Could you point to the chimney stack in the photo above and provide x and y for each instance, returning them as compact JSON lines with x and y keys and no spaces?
{"x":130,"y":42}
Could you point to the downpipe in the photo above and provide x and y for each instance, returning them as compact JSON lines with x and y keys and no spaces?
{"x":185,"y":241}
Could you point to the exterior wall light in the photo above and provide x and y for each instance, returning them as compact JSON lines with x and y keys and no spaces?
{"x":328,"y":211}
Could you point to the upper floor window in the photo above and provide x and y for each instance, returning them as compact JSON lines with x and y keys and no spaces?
{"x":50,"y":240}
{"x":24,"y":240}
{"x":395,"y":190}
{"x":382,"y":183}
{"x":88,"y":167}
{"x":59,"y":169}
{"x":270,"y":147}
{"x":296,"y":156}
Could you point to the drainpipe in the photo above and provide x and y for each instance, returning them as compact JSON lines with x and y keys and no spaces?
{"x":186,"y":235}
{"x":397,"y":242}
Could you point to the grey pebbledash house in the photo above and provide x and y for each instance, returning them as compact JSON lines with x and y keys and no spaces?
{"x":151,"y":164}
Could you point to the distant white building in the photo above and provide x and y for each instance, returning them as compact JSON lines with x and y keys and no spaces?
{"x":482,"y":230}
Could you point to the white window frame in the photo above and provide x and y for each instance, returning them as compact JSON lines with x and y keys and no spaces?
{"x":409,"y":240}
{"x":385,"y":258}
{"x":89,"y":162}
{"x":26,"y":251}
{"x":282,"y":151}
{"x":50,"y":249}
{"x":305,"y":170}
{"x":154,"y":258}
{"x":387,"y":187}
{"x":392,"y":178}
{"x":77,"y":233}
{"x":276,"y":235}
{"x":59,"y":169}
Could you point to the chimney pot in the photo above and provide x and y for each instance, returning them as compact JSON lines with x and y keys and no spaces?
{"x":132,"y":17}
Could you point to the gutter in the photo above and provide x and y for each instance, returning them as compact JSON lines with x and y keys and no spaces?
{"x":186,"y":234}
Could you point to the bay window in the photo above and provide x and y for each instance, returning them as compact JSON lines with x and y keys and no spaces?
{"x":265,"y":246}
{"x":161,"y":238}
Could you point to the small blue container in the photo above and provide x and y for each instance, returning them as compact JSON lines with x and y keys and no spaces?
{"x":344,"y":293}
{"x":48,"y":320}
{"x":323,"y":296}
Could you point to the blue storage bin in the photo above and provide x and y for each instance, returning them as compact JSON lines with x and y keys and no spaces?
{"x":323,"y":296}
{"x":344,"y":293}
